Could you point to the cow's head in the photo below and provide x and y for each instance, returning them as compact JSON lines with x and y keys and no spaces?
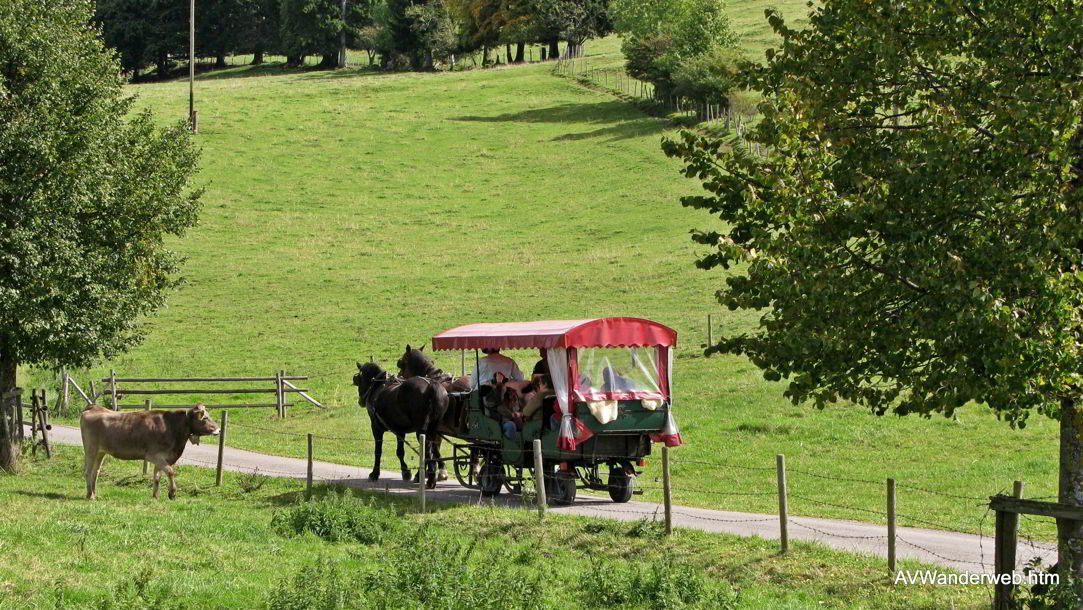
{"x":200,"y":424}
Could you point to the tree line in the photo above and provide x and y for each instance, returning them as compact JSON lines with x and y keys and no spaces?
{"x":399,"y":34}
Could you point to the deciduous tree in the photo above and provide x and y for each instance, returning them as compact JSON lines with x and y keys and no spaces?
{"x":913,"y":231}
{"x":89,"y":192}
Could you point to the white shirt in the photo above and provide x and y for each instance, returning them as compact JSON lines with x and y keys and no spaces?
{"x":492,"y":364}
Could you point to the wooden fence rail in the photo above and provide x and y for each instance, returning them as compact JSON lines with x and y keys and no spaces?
{"x":282,"y":386}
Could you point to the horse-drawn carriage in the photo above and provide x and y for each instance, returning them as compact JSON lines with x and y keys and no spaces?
{"x":611,"y":383}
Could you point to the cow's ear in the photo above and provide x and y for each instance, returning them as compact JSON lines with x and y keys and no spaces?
{"x":422,"y":348}
{"x":358,"y":365}
{"x":407,"y":348}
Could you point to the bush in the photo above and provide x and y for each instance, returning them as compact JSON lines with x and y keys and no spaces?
{"x":138,"y":593}
{"x":708,"y":77}
{"x":664,"y":584}
{"x":430,"y":571}
{"x":319,"y":586}
{"x":337,"y":518}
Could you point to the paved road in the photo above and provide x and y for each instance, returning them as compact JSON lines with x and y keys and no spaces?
{"x":963,"y":552}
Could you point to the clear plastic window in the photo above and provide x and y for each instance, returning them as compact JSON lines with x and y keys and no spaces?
{"x":618,"y":373}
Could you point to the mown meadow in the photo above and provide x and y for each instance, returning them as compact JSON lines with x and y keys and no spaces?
{"x":349,"y":213}
{"x":255,"y":543}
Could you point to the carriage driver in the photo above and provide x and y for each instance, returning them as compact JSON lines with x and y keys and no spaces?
{"x":494,"y":362}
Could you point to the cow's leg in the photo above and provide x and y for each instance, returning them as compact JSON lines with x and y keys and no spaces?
{"x":88,"y":458}
{"x":169,"y":472}
{"x":157,"y":479}
{"x":377,"y":451}
{"x":92,"y":474}
{"x":400,"y":452}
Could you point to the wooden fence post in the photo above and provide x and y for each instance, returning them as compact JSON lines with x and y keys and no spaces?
{"x":18,"y":424}
{"x":1007,"y":524}
{"x":710,"y":331}
{"x":667,"y":490}
{"x":279,"y":394}
{"x":146,"y":407}
{"x":34,"y":406}
{"x":422,"y":476}
{"x":113,"y":388}
{"x":43,"y":419}
{"x":539,"y":478}
{"x":891,"y":525}
{"x":308,"y":481}
{"x":64,"y":395}
{"x":221,"y":447}
{"x":780,"y":467}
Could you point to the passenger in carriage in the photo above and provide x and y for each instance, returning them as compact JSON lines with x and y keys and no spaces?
{"x":542,"y":366}
{"x":494,"y":362}
{"x":519,"y":406}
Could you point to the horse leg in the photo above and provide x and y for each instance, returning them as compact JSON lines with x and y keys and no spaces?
{"x":400,"y":451}
{"x":378,"y":449}
{"x":441,"y":469}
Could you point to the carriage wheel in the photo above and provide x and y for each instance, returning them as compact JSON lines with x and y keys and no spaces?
{"x":491,"y":478}
{"x":463,"y":466}
{"x":620,"y":484}
{"x":560,"y":487}
{"x":513,"y":482}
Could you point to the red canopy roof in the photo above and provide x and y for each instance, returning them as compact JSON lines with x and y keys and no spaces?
{"x":597,"y":332}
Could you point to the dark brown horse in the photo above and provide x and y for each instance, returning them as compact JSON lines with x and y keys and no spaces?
{"x":401,"y":406}
{"x":415,"y":363}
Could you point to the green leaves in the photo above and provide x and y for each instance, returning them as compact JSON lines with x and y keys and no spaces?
{"x":912,"y":233}
{"x":87,"y":193}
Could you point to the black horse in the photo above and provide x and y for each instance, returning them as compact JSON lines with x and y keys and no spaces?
{"x":401,"y":406}
{"x":415,"y":363}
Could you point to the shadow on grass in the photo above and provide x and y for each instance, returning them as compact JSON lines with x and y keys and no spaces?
{"x":49,"y":495}
{"x":611,"y":111}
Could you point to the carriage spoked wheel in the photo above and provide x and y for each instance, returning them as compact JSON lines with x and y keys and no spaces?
{"x":513,"y":481}
{"x":560,"y":487}
{"x":621,"y":484}
{"x":491,"y":477}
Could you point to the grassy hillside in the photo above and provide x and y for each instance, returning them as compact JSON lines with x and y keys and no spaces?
{"x":215,"y":547}
{"x":349,"y":213}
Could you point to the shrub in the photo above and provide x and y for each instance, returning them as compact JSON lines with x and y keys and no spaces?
{"x":319,"y":586}
{"x":337,"y":518}
{"x":137,"y":592}
{"x":662,"y":584}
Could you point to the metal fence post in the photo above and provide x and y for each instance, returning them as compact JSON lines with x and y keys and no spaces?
{"x":891,"y":525}
{"x":221,"y":447}
{"x":667,"y":490}
{"x":113,"y":388}
{"x":710,"y":331}
{"x":539,"y":478}
{"x":780,"y":466}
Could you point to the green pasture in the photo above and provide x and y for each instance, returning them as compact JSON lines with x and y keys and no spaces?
{"x":215,"y":547}
{"x":349,"y":213}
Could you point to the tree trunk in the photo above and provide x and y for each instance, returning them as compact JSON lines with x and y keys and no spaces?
{"x":294,"y":61}
{"x":162,"y":65}
{"x":484,"y":56}
{"x":554,"y":49}
{"x":329,"y":61}
{"x":257,"y":58}
{"x":1070,"y":533}
{"x":520,"y":51}
{"x":220,"y":59}
{"x":8,"y":451}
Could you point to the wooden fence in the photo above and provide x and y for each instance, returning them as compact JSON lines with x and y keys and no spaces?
{"x":12,"y":419}
{"x":114,"y":392}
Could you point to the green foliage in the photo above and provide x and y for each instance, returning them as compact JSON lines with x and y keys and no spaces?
{"x":315,"y":27}
{"x":436,"y":31}
{"x":140,"y":591}
{"x":337,"y":518}
{"x":709,"y":76}
{"x":88,"y":194}
{"x":317,"y":586}
{"x":683,"y":47}
{"x":660,"y":584}
{"x":910,"y":249}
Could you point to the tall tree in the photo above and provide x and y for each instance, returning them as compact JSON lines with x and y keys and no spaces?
{"x":575,"y":21}
{"x":88,"y":193}
{"x":913,"y":232}
{"x":317,"y":27}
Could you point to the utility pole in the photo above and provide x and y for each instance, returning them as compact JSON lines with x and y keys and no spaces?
{"x":192,"y":117}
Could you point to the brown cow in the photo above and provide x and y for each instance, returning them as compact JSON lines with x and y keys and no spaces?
{"x":155,"y":436}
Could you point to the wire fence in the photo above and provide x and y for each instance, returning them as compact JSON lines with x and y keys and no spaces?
{"x":803,"y":491}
